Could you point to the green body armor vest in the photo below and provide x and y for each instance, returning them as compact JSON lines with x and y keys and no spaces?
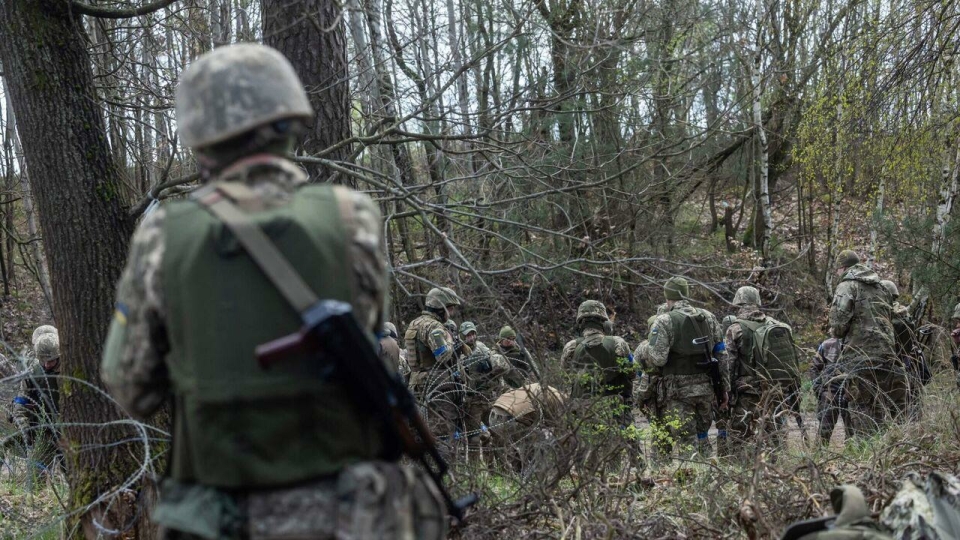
{"x":688,"y":324}
{"x":769,"y":350}
{"x":235,"y":424}
{"x":598,"y":353}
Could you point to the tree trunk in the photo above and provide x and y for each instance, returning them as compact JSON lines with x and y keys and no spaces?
{"x":764,"y":174}
{"x":77,"y":189}
{"x":312,"y":35}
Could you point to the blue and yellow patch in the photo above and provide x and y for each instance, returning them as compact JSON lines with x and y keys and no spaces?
{"x":120,"y":313}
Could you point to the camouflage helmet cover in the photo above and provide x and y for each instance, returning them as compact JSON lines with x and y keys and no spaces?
{"x":467,"y":327}
{"x":391,"y":329}
{"x":847,"y":258}
{"x":508,"y":333}
{"x":47,"y":347}
{"x":41,"y":330}
{"x":441,"y":297}
{"x":451,"y":327}
{"x":891,"y":288}
{"x":726,"y":322}
{"x":236,"y":88}
{"x":592,"y":309}
{"x":747,"y":296}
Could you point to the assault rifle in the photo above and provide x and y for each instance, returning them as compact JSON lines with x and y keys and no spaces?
{"x":712,"y":366}
{"x":331,"y":331}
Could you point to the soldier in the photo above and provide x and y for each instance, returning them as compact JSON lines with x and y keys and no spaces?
{"x":524,"y":368}
{"x":829,"y":387}
{"x":764,"y":372}
{"x":37,"y":407}
{"x":462,"y":349}
{"x":520,"y":421}
{"x":908,"y":349}
{"x":605,"y":360}
{"x":193,"y":303}
{"x":682,"y":345}
{"x":389,"y":348}
{"x":468,"y":333}
{"x":434,"y":366}
{"x":860,"y":316}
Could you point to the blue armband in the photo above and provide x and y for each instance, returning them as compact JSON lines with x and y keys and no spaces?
{"x":630,"y":357}
{"x":20,"y":400}
{"x":439,"y":351}
{"x":719,"y":347}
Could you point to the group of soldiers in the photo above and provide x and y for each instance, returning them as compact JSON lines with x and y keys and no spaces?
{"x":215,"y":283}
{"x":741,"y":373}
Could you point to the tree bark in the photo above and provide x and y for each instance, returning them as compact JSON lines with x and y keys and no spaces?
{"x":312,"y":35}
{"x":77,"y":187}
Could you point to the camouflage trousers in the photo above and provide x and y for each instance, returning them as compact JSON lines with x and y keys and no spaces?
{"x":441,"y":396}
{"x":682,"y":424}
{"x":831,"y":408}
{"x":876,"y":392}
{"x":366,"y":500}
{"x":759,"y":420}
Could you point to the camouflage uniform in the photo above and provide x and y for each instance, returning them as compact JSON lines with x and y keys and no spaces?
{"x":861,"y":316}
{"x":908,"y":350}
{"x":525,"y":369}
{"x":37,"y":407}
{"x":828,"y":385}
{"x":235,"y":90}
{"x":435,"y":370}
{"x":684,"y":402}
{"x":751,"y":391}
{"x":390,"y":349}
{"x":520,"y":421}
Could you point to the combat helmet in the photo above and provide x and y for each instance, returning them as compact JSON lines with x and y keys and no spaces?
{"x":438,"y":298}
{"x":451,"y":327}
{"x":593,"y":310}
{"x":41,"y":330}
{"x":956,"y":312}
{"x":391,"y":329}
{"x":891,"y":288}
{"x":726,"y":322}
{"x":747,"y":296}
{"x":846,"y":259}
{"x":47,"y":348}
{"x":234,"y":89}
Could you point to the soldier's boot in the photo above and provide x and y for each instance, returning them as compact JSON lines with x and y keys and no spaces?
{"x":724,"y":448}
{"x":704,"y":448}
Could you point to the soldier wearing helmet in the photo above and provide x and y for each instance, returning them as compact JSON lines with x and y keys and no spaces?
{"x":860,"y":316}
{"x":680,"y":340}
{"x":193,"y":304}
{"x":37,"y":406}
{"x":434,"y":367}
{"x":764,"y":368}
{"x":525,"y":369}
{"x":390,"y":348}
{"x":603,"y":363}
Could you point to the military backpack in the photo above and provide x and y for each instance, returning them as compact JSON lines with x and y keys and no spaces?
{"x":770,"y":352}
{"x":599,"y":352}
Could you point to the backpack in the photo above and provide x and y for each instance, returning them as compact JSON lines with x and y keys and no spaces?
{"x":598,"y":352}
{"x":771,"y":354}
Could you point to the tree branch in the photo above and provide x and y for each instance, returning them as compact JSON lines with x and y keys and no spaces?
{"x":116,"y":13}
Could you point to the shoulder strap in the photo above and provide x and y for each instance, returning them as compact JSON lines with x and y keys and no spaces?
{"x":261,"y":249}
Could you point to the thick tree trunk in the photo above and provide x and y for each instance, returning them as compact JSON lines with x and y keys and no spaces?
{"x":77,"y":189}
{"x":312,"y":35}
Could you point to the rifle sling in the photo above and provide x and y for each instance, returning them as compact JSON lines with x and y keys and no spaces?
{"x":262,"y":250}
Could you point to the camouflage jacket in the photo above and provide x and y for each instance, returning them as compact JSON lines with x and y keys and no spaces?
{"x":735,"y":355}
{"x":390,"y":353}
{"x":137,"y":376}
{"x":524,"y":370}
{"x":861,"y":316}
{"x":428,"y":343}
{"x":39,"y":399}
{"x":655,"y":352}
